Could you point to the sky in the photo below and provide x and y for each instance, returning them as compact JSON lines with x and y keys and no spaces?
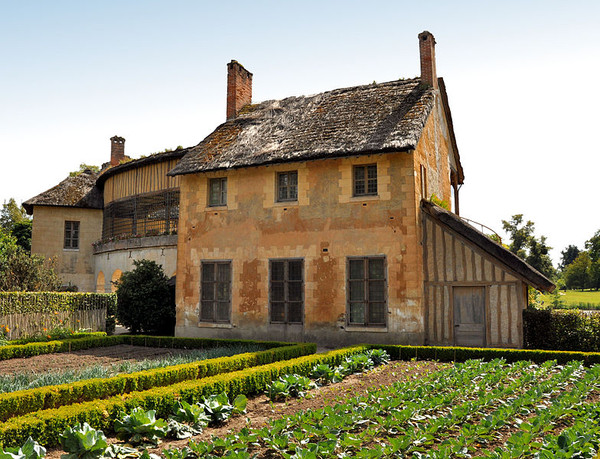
{"x":521,"y":78}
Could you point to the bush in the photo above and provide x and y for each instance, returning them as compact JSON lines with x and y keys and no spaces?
{"x":144,"y":300}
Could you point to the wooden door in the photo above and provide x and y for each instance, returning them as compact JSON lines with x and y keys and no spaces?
{"x":469,"y":316}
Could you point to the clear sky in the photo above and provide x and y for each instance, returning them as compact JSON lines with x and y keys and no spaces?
{"x":521,"y":78}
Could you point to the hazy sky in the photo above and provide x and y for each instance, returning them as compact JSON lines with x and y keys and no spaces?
{"x":521,"y":78}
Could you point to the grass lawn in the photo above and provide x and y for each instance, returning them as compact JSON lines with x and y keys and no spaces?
{"x":575,"y":297}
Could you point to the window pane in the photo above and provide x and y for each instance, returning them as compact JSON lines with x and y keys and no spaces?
{"x":293,"y":179}
{"x":277,"y":312}
{"x":359,"y":173}
{"x":277,"y":270}
{"x":357,"y":313}
{"x":376,"y":291}
{"x":295,"y":291}
{"x":208,"y":292}
{"x":295,"y":270}
{"x":372,"y":171}
{"x":357,"y":290}
{"x":357,"y":269}
{"x":223,"y":197}
{"x":223,"y":291}
{"x":222,"y":314}
{"x":75,"y":243}
{"x":208,"y":271}
{"x":223,"y":272}
{"x":372,"y":186}
{"x":359,"y":188}
{"x":277,"y":291}
{"x":377,"y":313}
{"x":282,"y":196}
{"x":207,"y":311}
{"x":376,"y":268}
{"x":295,"y":313}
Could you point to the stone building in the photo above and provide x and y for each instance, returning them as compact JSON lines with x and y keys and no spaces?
{"x":309,"y":218}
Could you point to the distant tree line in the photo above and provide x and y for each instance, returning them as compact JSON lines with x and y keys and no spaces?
{"x":580,"y":269}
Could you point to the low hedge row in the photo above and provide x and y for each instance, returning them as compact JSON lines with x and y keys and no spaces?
{"x":27,"y":401}
{"x":46,"y":426}
{"x":100,"y":340}
{"x":20,"y":342}
{"x":460,"y":354}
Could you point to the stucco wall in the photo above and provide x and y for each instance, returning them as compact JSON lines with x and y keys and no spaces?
{"x":324,"y":227}
{"x":75,"y":266}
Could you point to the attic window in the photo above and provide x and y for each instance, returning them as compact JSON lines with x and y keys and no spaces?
{"x":71,"y":235}
{"x":365,"y":180}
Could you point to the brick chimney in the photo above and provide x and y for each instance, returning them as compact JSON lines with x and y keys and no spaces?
{"x":117,"y":150}
{"x":239,"y":88}
{"x":427,"y":52}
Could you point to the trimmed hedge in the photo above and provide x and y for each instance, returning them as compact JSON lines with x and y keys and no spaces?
{"x":460,"y":354}
{"x":100,"y":340}
{"x":47,"y":425}
{"x":28,"y":302}
{"x":19,"y":342}
{"x":27,"y":401}
{"x":565,"y":330}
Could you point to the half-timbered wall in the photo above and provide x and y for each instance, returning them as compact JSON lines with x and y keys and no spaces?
{"x":451,"y":261}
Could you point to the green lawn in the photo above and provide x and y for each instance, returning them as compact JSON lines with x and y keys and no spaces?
{"x":575,"y":297}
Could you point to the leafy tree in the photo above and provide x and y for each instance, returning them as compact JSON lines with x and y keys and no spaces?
{"x":22,"y":233}
{"x":577,"y":274}
{"x":593,"y":246}
{"x":594,"y":275}
{"x":20,"y":271}
{"x":82,"y":168}
{"x":526,"y":246}
{"x":145,"y":303}
{"x":11,"y":214}
{"x":568,"y":256}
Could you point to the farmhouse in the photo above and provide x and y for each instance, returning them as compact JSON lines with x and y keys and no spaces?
{"x":308,"y":218}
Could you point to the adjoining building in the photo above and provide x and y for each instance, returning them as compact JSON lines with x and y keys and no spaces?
{"x":309,"y":218}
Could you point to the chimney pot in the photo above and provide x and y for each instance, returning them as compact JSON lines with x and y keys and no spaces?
{"x":427,"y":54}
{"x":239,"y":88}
{"x":117,"y":150}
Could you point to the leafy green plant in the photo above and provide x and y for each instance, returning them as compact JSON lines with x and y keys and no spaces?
{"x":30,"y":450}
{"x":140,"y":426}
{"x":323,"y":374}
{"x":116,"y":451}
{"x":378,"y":356}
{"x":179,"y":431}
{"x":292,"y":385}
{"x":192,"y":414}
{"x":218,"y":408}
{"x":83,"y":442}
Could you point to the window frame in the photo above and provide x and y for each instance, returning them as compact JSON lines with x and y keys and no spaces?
{"x":288,"y":187}
{"x":214,"y":286}
{"x":366,"y":300}
{"x":286,"y":281}
{"x":70,"y":240}
{"x":222,"y":201}
{"x":365,"y":179}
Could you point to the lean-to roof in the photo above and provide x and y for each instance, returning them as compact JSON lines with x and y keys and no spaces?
{"x":373,"y":118}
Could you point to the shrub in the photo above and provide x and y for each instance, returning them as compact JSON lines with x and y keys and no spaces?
{"x":144,"y":300}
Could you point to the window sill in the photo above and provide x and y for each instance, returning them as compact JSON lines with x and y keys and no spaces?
{"x":374,"y":197}
{"x":355,"y":329}
{"x":214,"y":325}
{"x":211,"y":208}
{"x":70,"y":250}
{"x":285,"y":203}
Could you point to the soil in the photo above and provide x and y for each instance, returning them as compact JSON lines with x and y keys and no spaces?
{"x":260,"y":410}
{"x":104,"y":356}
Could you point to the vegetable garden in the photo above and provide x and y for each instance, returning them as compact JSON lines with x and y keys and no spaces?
{"x":487,"y":407}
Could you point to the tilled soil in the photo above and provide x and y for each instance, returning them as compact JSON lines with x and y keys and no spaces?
{"x":260,"y":410}
{"x":77,"y":360}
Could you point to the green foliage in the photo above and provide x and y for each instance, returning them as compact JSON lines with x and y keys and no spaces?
{"x":140,"y":426}
{"x":287,"y":386}
{"x":145,"y":302}
{"x":21,"y":231}
{"x":526,"y":246}
{"x":592,"y":245}
{"x":440,"y":202}
{"x":11,"y":214}
{"x":84,"y":167}
{"x":323,"y":374}
{"x":83,"y":442}
{"x":191,"y":413}
{"x":577,"y":274}
{"x":30,"y":450}
{"x":378,"y":357}
{"x":568,"y":256}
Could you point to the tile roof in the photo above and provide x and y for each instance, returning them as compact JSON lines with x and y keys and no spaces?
{"x":359,"y":120}
{"x":77,"y":191}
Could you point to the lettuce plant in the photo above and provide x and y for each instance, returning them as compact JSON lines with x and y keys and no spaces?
{"x":83,"y":442}
{"x":141,"y":426}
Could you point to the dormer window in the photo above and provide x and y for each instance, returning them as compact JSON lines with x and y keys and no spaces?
{"x":365,"y":180}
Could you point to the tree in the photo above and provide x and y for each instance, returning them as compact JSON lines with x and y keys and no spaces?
{"x":520,"y":234}
{"x":593,"y":246}
{"x":84,"y":167}
{"x":568,"y":256}
{"x":577,"y":273}
{"x":11,"y":214}
{"x":145,"y":302}
{"x":526,"y":246}
{"x":20,"y":271}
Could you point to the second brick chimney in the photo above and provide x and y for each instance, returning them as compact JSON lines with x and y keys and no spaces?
{"x":117,"y":150}
{"x":427,"y":52}
{"x":239,"y":88}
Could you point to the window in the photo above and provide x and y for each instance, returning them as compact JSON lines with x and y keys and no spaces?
{"x":217,"y":195}
{"x":423,"y":182}
{"x":365,"y":180}
{"x":71,"y":235}
{"x":215,"y":291}
{"x":286,"y":291}
{"x":367,"y":286}
{"x":287,"y":186}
